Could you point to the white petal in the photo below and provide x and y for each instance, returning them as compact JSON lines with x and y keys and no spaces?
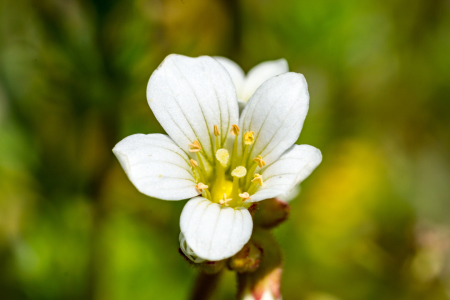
{"x":289,"y":170}
{"x":241,"y":105}
{"x":236,"y":73}
{"x":276,"y":113}
{"x":260,"y":73}
{"x":291,"y":195}
{"x":189,"y":96}
{"x":215,"y":232}
{"x":156,"y":166}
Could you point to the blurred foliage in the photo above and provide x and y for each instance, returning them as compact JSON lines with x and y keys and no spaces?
{"x":370,"y":223}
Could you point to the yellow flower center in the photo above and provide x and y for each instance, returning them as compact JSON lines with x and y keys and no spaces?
{"x":229,"y":180}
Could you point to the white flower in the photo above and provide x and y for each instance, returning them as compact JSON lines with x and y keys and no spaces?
{"x":195,"y":101}
{"x":247,"y":85}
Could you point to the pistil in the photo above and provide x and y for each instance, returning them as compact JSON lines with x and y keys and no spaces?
{"x":237,"y":173}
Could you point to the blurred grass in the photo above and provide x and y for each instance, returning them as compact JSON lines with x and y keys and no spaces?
{"x":370,"y":223}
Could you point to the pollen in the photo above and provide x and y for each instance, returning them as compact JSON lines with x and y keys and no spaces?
{"x":225,"y":201}
{"x":200,"y":187}
{"x":249,"y":137}
{"x":244,"y":196}
{"x":259,"y":160}
{"x":223,"y":157}
{"x":258,"y":179}
{"x":195,"y":146}
{"x":194,"y":164}
{"x":239,"y":172}
{"x":216,"y":130}
{"x":234,"y":130}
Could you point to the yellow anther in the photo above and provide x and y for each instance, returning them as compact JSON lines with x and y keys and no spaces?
{"x":239,"y":172}
{"x":223,"y":157}
{"x":194,"y":164}
{"x":249,"y":137}
{"x":258,"y":179}
{"x":225,"y":201}
{"x":200,"y":187}
{"x":260,"y":161}
{"x":216,"y":130}
{"x":244,"y":196}
{"x":195,"y":146}
{"x":234,"y":130}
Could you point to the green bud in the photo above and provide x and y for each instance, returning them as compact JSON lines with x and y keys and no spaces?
{"x":271,"y":213}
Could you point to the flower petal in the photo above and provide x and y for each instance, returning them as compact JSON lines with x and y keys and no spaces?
{"x":276,"y":113}
{"x":215,"y":232}
{"x":288,"y":171}
{"x":189,"y":96}
{"x":156,"y":166}
{"x":236,"y":73}
{"x":260,"y":73}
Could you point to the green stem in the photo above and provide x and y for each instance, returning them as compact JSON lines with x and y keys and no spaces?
{"x":205,"y":285}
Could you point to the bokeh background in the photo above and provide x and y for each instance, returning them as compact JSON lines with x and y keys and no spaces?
{"x":372,"y":222}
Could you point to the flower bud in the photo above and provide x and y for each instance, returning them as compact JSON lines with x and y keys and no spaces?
{"x":271,"y":213}
{"x":268,"y":288}
{"x":246,"y":260}
{"x":264,"y":282}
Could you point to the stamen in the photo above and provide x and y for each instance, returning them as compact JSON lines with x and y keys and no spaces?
{"x":225,"y":201}
{"x":234,"y":130}
{"x":249,"y":137}
{"x":223,"y":157}
{"x":194,"y":164}
{"x":239,"y":172}
{"x":201,"y":186}
{"x":216,"y":130}
{"x":258,"y":179}
{"x":259,"y":161}
{"x":244,"y":196}
{"x":195,"y":146}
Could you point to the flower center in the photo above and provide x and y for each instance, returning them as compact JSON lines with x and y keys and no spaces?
{"x":231,"y":179}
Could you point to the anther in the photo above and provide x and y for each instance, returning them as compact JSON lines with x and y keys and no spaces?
{"x":244,"y":196}
{"x":234,"y":130}
{"x":249,"y":137}
{"x":239,"y":172}
{"x":225,"y":201}
{"x":260,"y":161}
{"x":216,"y":130}
{"x":258,"y":179}
{"x":195,"y":146}
{"x":194,"y":164}
{"x":200,"y":187}
{"x":223,"y":157}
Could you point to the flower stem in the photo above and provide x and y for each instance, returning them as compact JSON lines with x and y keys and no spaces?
{"x":205,"y":286}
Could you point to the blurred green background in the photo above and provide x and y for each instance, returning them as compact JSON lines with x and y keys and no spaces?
{"x":372,"y":222}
